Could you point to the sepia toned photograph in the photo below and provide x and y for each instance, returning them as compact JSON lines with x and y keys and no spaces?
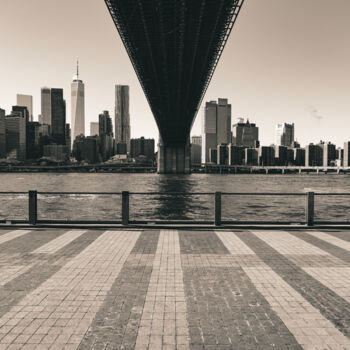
{"x":174,"y":175}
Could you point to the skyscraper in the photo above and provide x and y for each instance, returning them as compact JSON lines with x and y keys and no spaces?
{"x":216,"y":128}
{"x":94,"y":128}
{"x":284,"y":134}
{"x":78,"y":106}
{"x":246,"y":134}
{"x":2,"y":134}
{"x":26,"y":101}
{"x":58,"y":116}
{"x":105,"y":131}
{"x":122,"y":116}
{"x":45,"y":106}
{"x":16,"y":124}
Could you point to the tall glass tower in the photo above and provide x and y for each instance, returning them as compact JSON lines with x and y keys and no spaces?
{"x":78,"y":106}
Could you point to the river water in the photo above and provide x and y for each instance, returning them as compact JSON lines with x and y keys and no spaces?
{"x":157,"y":207}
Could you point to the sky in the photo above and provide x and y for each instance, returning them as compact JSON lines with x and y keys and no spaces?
{"x":285,"y":61}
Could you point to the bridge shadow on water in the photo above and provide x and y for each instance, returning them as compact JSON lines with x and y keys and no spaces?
{"x":169,"y":204}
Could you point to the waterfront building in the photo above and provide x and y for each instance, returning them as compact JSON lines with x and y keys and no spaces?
{"x":44,"y":130}
{"x":329,"y":154}
{"x":33,"y":140}
{"x":121,"y":148}
{"x":290,"y":156}
{"x":340,"y":156}
{"x":94,"y":128}
{"x":295,"y":144}
{"x":196,"y":149}
{"x":235,"y":155}
{"x":251,"y":156}
{"x":56,"y":153}
{"x":77,"y":106}
{"x":245,"y":134}
{"x":87,"y":149}
{"x":16,"y":128}
{"x":142,"y":147}
{"x":346,"y":157}
{"x":299,"y":156}
{"x":313,"y":155}
{"x":68,"y":137}
{"x":58,"y":116}
{"x":105,"y":131}
{"x":45,"y":118}
{"x":105,"y":124}
{"x":216,"y":127}
{"x":2,"y":134}
{"x":196,"y":140}
{"x":281,"y":155}
{"x":213,"y":155}
{"x":284,"y":134}
{"x":26,"y":101}
{"x":222,"y":154}
{"x":266,"y":155}
{"x":122,"y":116}
{"x":196,"y":154}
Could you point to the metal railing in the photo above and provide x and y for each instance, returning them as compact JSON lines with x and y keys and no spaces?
{"x":216,"y":207}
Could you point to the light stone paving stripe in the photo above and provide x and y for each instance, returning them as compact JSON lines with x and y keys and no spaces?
{"x":9,"y":236}
{"x":56,"y":244}
{"x":309,"y":327}
{"x":233,"y":243}
{"x":8,"y":273}
{"x":330,"y":239}
{"x":285,"y":243}
{"x":336,"y":279}
{"x":164,"y":322}
{"x":58,"y":313}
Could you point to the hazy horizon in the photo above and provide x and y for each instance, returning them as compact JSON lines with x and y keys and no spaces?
{"x":286,"y":61}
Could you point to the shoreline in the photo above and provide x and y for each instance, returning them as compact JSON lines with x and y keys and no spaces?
{"x":212,"y":169}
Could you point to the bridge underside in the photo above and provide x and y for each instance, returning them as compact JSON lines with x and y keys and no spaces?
{"x":174,"y":46}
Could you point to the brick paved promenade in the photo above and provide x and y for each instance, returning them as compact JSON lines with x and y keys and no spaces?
{"x":172,"y":289}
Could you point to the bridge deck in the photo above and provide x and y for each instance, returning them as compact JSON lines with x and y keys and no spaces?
{"x":174,"y":289}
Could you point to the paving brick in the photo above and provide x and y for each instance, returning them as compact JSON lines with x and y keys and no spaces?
{"x":201,"y":242}
{"x":329,"y":304}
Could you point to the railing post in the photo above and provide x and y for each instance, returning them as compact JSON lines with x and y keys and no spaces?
{"x":310,"y":208}
{"x":125,"y":208}
{"x":33,"y":207}
{"x":217,"y":208}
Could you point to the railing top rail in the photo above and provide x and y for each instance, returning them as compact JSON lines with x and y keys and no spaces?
{"x":174,"y":193}
{"x":12,"y":192}
{"x":183,"y":193}
{"x":332,"y":194}
{"x":263,"y":194}
{"x":80,"y":193}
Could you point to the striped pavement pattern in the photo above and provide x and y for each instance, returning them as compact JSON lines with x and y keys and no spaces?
{"x":56,"y":244}
{"x":310,"y":328}
{"x":188,"y":290}
{"x":9,"y":236}
{"x":330,"y":239}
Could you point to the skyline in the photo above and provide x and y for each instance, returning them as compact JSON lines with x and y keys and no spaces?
{"x":269,"y":86}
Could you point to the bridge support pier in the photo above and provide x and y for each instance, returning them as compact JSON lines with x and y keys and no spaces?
{"x":174,"y":159}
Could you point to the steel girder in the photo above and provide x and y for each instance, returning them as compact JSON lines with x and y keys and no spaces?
{"x":174,"y":46}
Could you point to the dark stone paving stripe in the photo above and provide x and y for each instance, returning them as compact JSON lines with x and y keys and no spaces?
{"x":147,"y":243}
{"x":203,"y":242}
{"x":331,"y":305}
{"x":225,"y":311}
{"x":344,"y":235}
{"x":15,"y":290}
{"x":116,"y":324}
{"x":338,"y":252}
